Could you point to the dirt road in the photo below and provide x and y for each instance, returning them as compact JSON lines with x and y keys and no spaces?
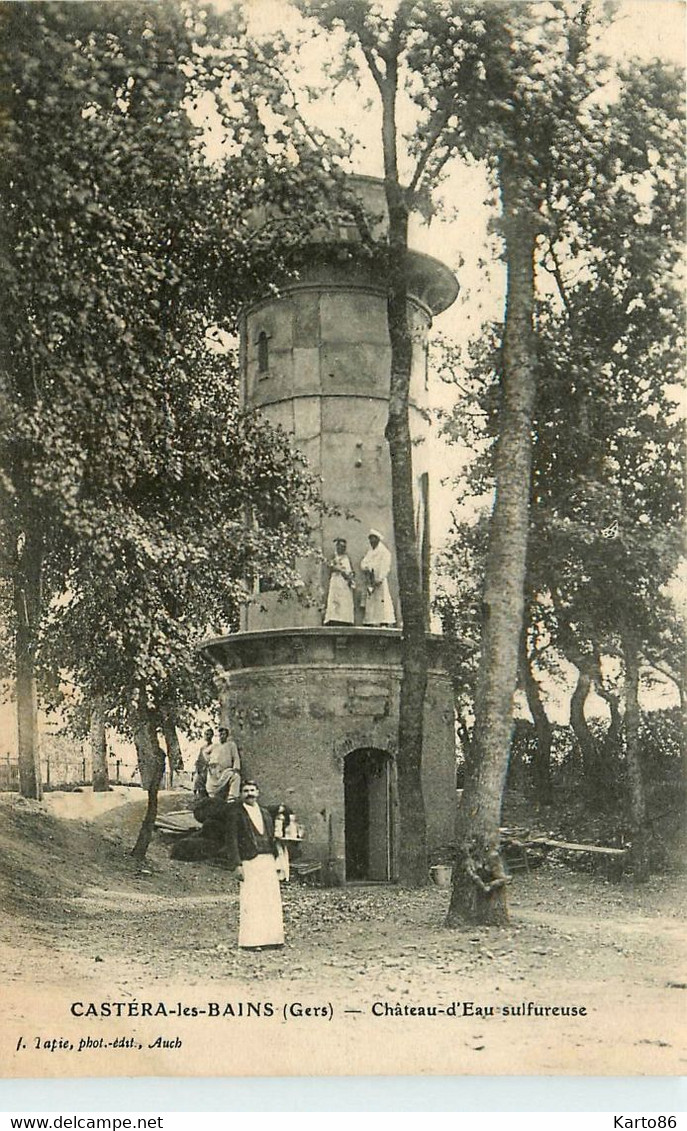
{"x":589,"y":977}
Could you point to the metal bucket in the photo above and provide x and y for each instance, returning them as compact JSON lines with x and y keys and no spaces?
{"x":441,"y":875}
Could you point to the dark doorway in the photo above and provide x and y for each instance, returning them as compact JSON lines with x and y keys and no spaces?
{"x":367,"y":814}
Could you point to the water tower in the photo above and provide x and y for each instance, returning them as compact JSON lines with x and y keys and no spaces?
{"x":314,"y":709}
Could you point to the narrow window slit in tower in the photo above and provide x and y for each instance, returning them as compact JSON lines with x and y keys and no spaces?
{"x":263,"y":354}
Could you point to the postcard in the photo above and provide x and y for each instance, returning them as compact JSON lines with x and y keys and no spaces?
{"x":323,"y":252}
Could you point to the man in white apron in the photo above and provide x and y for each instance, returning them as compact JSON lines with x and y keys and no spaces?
{"x":252,"y":852}
{"x":376,"y":567}
{"x":223,"y":768}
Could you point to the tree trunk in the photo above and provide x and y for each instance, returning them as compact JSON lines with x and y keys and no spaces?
{"x":610,"y":754}
{"x":175,"y":760}
{"x":683,"y":714}
{"x":639,"y":853}
{"x":455,"y":658}
{"x":541,"y":760}
{"x":616,"y":724}
{"x":584,"y":738}
{"x":479,"y":892}
{"x":27,"y":607}
{"x":101,"y":781}
{"x":683,"y":741}
{"x":151,"y":760}
{"x":412,"y":858}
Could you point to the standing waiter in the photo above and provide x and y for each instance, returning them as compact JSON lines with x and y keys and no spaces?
{"x":252,"y":852}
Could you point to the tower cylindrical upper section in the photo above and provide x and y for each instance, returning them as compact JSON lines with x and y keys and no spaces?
{"x":316,"y":360}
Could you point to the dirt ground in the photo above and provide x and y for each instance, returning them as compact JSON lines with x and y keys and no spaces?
{"x":388,"y":988}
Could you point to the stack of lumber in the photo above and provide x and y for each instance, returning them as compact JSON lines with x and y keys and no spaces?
{"x":180,"y":821}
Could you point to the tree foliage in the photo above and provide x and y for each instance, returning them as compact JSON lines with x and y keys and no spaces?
{"x":606,"y":497}
{"x":126,"y":462}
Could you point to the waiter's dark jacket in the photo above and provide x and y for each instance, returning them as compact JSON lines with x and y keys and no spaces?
{"x":243,"y":841}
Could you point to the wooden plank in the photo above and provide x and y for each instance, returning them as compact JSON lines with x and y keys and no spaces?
{"x":177,"y":822}
{"x":597,"y":848}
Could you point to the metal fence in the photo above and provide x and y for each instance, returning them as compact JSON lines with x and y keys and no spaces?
{"x":9,"y":774}
{"x":60,"y":772}
{"x":66,"y":772}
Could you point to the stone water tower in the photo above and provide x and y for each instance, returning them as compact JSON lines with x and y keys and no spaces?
{"x":314,"y":709}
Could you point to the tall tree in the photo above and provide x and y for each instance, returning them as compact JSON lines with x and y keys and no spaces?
{"x":511,"y":84}
{"x":121,"y":244}
{"x":541,"y":758}
{"x":89,"y":267}
{"x":608,"y":503}
{"x":378,"y":43}
{"x":178,"y":564}
{"x":606,"y":495}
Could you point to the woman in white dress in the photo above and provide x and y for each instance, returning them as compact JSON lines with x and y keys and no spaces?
{"x":341,"y":586}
